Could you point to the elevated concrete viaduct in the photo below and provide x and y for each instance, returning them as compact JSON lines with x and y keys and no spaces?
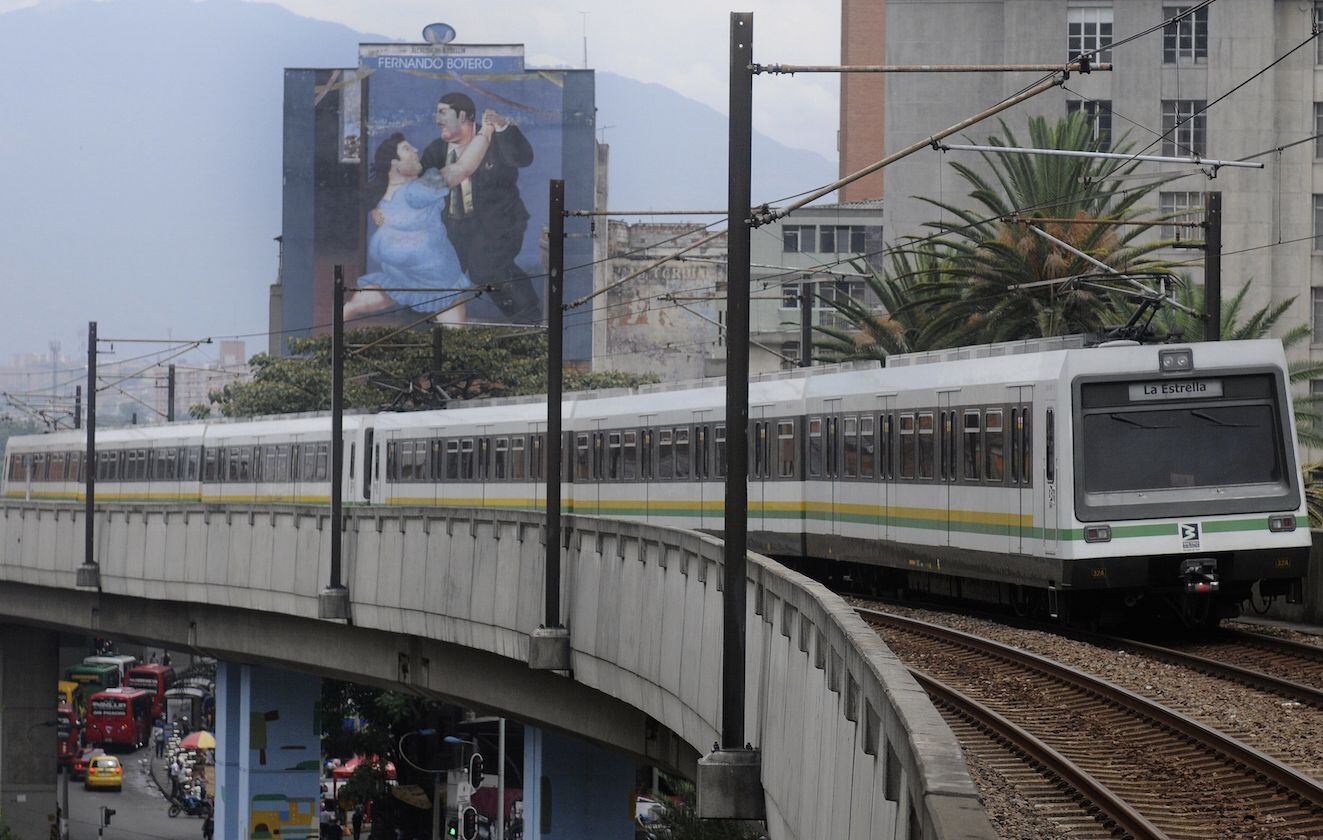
{"x":443,"y":603}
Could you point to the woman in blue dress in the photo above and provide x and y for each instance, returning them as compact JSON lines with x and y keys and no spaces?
{"x":409,"y":246}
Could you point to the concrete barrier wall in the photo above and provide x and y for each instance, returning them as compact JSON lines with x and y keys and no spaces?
{"x":851,"y":746}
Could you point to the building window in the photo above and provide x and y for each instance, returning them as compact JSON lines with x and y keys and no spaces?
{"x":1318,"y":24}
{"x":1089,"y":30}
{"x":1318,"y":222}
{"x":1185,"y":41}
{"x":838,"y":291}
{"x":790,"y":295}
{"x":840,"y":239}
{"x":1316,"y":296}
{"x":1098,"y":112}
{"x":797,"y":238}
{"x":1184,"y":130}
{"x":1318,"y":128}
{"x":1190,"y":206}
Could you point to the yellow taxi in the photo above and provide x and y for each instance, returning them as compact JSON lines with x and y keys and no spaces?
{"x":104,"y":771}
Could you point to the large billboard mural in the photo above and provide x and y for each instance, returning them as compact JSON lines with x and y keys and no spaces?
{"x":451,"y":149}
{"x":453,"y":138}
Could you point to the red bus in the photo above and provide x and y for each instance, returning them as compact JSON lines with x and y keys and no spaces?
{"x":119,"y":716}
{"x":155,"y":680}
{"x":68,"y":734}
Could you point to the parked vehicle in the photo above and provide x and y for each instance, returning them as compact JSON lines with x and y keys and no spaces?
{"x":93,"y":678}
{"x":155,"y":680}
{"x":120,"y":716}
{"x":122,"y":661}
{"x":68,"y":735}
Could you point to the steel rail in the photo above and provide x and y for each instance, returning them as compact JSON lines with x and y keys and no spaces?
{"x":1270,"y":769}
{"x":1117,"y":811}
{"x":1297,"y":649}
{"x":1225,"y":670}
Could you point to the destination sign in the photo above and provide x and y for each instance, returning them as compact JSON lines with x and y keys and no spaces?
{"x":1176,"y":390}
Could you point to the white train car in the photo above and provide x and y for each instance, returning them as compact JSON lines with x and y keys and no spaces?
{"x":283,"y":460}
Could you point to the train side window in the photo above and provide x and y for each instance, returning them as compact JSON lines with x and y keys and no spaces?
{"x":701,"y":469}
{"x":422,"y":460}
{"x":581,"y":456}
{"x":995,"y":442}
{"x":833,"y":447}
{"x":208,"y":464}
{"x":55,"y":470}
{"x":973,"y":453}
{"x":645,"y":456}
{"x":629,"y":455}
{"x":466,"y":470}
{"x":867,"y":447}
{"x":719,"y":451}
{"x":682,"y":453}
{"x":191,"y":459}
{"x":613,"y":456}
{"x":850,"y":446}
{"x":501,"y":456}
{"x":755,"y":443}
{"x":1026,"y":447}
{"x":665,"y":457}
{"x":887,"y":469}
{"x":452,"y":460}
{"x":323,"y":457}
{"x":944,"y":457}
{"x":909,"y":447}
{"x":393,"y":471}
{"x":518,"y":471}
{"x":484,"y":458}
{"x":1017,"y":424}
{"x":16,"y":470}
{"x":785,"y":449}
{"x":1050,"y":447}
{"x":926,"y":444}
{"x":815,"y":447}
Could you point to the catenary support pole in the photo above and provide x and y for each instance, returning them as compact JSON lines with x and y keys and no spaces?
{"x":500,"y":783}
{"x":1213,"y":264}
{"x":806,"y":323}
{"x":333,"y":602}
{"x":89,"y":574}
{"x":170,"y":395}
{"x":555,"y":384}
{"x":738,"y":201}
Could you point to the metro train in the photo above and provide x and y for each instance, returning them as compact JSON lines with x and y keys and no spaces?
{"x":1076,"y":481}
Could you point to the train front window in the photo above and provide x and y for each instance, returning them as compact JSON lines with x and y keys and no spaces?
{"x":1190,"y":446}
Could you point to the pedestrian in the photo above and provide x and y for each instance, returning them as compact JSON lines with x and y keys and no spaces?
{"x":327,"y":821}
{"x":208,"y":827}
{"x":175,"y":771}
{"x":357,"y":820}
{"x":160,"y":742}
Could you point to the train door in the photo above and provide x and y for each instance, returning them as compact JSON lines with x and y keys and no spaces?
{"x":702,"y":444}
{"x":1048,"y":476}
{"x":536,"y":477}
{"x":373,"y":471}
{"x":886,"y":453}
{"x":759,"y":468}
{"x":832,"y":451}
{"x":947,"y":462}
{"x":1019,"y":466}
{"x":27,"y":477}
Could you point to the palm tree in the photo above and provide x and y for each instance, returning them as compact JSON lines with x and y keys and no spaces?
{"x":902,"y":325}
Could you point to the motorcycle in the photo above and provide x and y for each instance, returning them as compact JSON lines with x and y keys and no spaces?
{"x":192,"y":805}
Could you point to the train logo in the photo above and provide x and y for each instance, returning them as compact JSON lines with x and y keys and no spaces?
{"x":1190,"y":536}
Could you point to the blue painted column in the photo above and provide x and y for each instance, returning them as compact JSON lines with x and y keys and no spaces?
{"x":268,"y":753}
{"x":574,"y":790}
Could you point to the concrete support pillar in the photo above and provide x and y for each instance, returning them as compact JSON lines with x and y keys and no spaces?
{"x":268,"y":752}
{"x":29,"y":669}
{"x":573,"y":789}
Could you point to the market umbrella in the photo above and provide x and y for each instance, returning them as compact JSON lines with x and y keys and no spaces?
{"x":200,"y":740}
{"x":344,"y":771}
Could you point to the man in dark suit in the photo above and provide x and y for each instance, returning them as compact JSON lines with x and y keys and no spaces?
{"x":485,"y":217}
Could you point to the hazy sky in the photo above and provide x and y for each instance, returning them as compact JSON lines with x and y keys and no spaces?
{"x":683,"y":44}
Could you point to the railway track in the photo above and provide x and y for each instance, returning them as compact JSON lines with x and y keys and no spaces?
{"x":1186,"y":779}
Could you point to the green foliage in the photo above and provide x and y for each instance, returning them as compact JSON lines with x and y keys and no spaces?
{"x":679,"y":821}
{"x":383,"y":361}
{"x":956,"y":287}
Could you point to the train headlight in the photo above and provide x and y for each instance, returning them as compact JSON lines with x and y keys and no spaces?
{"x":1097,"y":533}
{"x":1281,"y":522}
{"x":1176,"y":361}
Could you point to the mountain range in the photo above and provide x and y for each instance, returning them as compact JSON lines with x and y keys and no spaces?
{"x":141,"y":162}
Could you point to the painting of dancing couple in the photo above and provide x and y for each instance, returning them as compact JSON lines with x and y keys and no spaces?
{"x":458,"y":146}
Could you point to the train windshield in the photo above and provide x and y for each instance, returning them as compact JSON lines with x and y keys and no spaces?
{"x":1184,"y":447}
{"x":1196,"y":446}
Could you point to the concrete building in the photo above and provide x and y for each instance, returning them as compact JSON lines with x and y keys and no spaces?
{"x":863,"y":95}
{"x":669,"y":320}
{"x":1272,"y":217}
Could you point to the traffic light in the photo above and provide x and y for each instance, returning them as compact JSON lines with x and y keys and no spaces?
{"x":106,"y":814}
{"x":475,"y":770}
{"x":452,"y":827}
{"x":470,"y":828}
